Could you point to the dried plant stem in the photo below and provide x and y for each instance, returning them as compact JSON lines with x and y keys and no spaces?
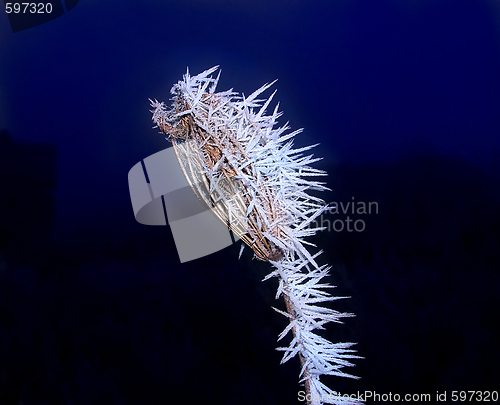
{"x":248,"y":174}
{"x":307,"y":383}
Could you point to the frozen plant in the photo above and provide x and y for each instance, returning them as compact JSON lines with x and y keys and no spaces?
{"x":243,"y":166}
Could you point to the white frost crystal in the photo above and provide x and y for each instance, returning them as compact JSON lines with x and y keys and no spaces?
{"x":249,"y":166}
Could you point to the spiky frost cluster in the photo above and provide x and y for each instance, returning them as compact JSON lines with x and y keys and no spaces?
{"x":243,"y":154}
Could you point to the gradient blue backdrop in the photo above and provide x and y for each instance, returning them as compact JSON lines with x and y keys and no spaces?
{"x":404,"y":97}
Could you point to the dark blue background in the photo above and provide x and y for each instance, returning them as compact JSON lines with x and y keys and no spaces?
{"x":404,"y":97}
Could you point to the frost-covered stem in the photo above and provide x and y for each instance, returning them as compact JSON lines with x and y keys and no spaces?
{"x":290,"y":310}
{"x":244,"y":168}
{"x":300,"y":284}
